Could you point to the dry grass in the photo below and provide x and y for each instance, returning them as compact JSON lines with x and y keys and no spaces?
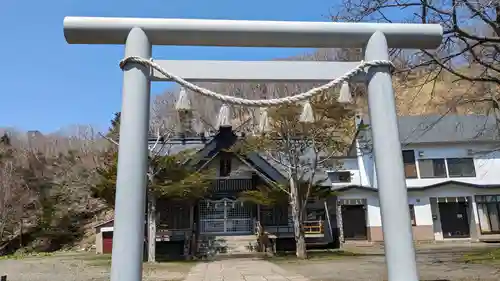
{"x":486,"y":256}
{"x":453,"y":262}
{"x":86,"y":266}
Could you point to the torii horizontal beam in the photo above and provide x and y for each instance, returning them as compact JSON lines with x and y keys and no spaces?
{"x":255,"y":71}
{"x":244,"y":33}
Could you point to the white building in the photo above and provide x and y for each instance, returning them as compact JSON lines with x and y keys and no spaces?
{"x":452,"y":167}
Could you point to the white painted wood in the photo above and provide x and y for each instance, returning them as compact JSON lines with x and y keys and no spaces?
{"x":209,"y":32}
{"x":253,"y":71}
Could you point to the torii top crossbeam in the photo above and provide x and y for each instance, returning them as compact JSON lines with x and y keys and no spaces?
{"x":204,"y":32}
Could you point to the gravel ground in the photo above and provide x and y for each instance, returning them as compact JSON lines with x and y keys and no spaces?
{"x":82,"y":267}
{"x":435,"y":262}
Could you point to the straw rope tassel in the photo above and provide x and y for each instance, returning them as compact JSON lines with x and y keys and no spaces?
{"x":183,"y":103}
{"x":345,"y":95}
{"x":264,"y":125}
{"x":224,"y":120}
{"x":307,"y":115}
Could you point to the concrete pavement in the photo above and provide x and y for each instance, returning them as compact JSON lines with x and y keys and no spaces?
{"x":241,"y":270}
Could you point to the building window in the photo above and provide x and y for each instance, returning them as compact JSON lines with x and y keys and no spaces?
{"x":432,"y":168}
{"x":315,"y":214}
{"x":488,"y":210}
{"x":225,"y":164}
{"x":412,"y":215}
{"x":461,"y":167}
{"x":410,"y":164}
{"x":341,"y":176}
{"x":312,"y":200}
{"x":274,"y":215}
{"x":436,"y":168}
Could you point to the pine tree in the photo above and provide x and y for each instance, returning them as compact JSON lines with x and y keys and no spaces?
{"x":172,"y":179}
{"x":5,"y":140}
{"x":168,"y":178}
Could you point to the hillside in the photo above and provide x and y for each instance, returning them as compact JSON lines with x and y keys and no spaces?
{"x":418,"y":93}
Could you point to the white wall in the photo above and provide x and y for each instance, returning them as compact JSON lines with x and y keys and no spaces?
{"x":423,"y":215}
{"x":373,"y":209}
{"x":420,"y":200}
{"x":487,"y":164}
{"x":351,"y":165}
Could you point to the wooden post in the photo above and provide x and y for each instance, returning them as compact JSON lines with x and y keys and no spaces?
{"x":327,"y":218}
{"x":258,"y":212}
{"x":191,"y":216}
{"x":20,"y":236}
{"x":151,"y":226}
{"x":340,"y":224}
{"x":191,"y":237}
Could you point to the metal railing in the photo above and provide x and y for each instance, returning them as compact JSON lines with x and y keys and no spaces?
{"x":314,"y":227}
{"x":226,"y":225}
{"x":310,"y":227}
{"x":222,"y":184}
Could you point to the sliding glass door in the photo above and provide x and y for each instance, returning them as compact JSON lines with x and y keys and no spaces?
{"x":488,"y":209}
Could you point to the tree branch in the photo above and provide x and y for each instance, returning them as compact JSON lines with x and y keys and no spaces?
{"x":109,"y":139}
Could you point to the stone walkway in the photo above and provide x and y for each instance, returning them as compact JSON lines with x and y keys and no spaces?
{"x":241,"y":270}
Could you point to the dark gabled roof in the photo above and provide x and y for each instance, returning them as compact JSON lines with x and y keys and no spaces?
{"x":265,"y":167}
{"x":261,"y":167}
{"x":224,"y":139}
{"x":448,"y":128}
{"x":207,"y":150}
{"x":421,"y":188}
{"x":320,"y":176}
{"x":444,"y":129}
{"x":178,"y":144}
{"x":268,"y":180}
{"x":104,"y":222}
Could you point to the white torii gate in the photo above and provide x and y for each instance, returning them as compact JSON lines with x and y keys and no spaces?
{"x":139,"y":34}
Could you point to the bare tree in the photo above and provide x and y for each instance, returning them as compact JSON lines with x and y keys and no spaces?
{"x":12,"y":193}
{"x":48,"y":177}
{"x":463,"y":74}
{"x":300,"y":150}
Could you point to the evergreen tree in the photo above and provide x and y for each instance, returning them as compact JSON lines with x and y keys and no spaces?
{"x":5,"y":139}
{"x":168,"y":176}
{"x":172,"y":179}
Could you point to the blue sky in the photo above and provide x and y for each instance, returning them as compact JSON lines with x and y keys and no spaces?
{"x":47,"y":84}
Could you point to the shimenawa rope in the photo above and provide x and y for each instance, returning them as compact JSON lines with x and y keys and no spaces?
{"x":255,"y":103}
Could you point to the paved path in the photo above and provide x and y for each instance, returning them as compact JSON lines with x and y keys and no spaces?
{"x":241,"y":270}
